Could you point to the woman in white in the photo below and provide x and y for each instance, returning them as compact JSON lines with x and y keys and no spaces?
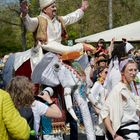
{"x":22,"y":93}
{"x":97,"y":96}
{"x":121,"y":110}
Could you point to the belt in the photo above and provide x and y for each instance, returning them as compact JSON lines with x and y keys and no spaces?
{"x":130,"y":123}
{"x":124,"y":132}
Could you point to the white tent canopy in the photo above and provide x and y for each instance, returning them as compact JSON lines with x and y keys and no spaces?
{"x":130,"y":31}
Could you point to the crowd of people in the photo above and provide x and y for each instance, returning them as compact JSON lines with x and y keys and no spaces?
{"x":111,"y":75}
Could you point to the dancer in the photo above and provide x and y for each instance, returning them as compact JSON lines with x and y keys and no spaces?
{"x":121,"y":111}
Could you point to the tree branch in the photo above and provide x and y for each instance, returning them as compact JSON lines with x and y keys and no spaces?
{"x":16,"y":11}
{"x":13,"y":9}
{"x":8,"y":22}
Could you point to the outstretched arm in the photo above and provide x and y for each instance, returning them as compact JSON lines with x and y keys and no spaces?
{"x":30,"y":23}
{"x":111,"y":46}
{"x":76,"y":15}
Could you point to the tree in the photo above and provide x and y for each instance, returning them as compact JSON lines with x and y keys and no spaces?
{"x":11,"y":19}
{"x":95,"y":20}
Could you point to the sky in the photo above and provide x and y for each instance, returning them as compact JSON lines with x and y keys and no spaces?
{"x":7,"y":1}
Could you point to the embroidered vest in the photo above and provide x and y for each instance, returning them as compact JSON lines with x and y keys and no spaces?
{"x":41,"y":31}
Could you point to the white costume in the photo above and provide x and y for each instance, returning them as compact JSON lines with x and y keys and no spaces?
{"x":122,"y":111}
{"x":97,"y":97}
{"x":113,"y":76}
{"x":98,"y":94}
{"x":54,"y":30}
{"x":38,"y":109}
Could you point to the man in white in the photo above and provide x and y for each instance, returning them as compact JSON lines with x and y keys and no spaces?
{"x":49,"y":31}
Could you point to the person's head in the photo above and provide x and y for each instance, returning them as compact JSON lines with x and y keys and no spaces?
{"x":128,"y":68}
{"x":137,"y":58}
{"x":48,"y":7}
{"x":119,"y":51}
{"x":102,"y":61}
{"x":102,"y":72}
{"x":21,"y":91}
{"x":101,"y":43}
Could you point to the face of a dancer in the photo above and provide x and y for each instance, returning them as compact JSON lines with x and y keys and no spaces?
{"x":130,"y":72}
{"x":50,"y":10}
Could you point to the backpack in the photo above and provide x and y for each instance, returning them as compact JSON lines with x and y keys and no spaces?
{"x":27,"y":113}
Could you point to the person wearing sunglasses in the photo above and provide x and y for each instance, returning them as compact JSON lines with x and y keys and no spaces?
{"x":97,"y":96}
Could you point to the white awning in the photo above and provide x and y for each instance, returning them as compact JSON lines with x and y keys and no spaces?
{"x":130,"y":31}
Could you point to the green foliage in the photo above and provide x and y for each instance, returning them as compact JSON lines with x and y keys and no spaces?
{"x":94,"y":20}
{"x":34,"y":8}
{"x":9,"y":41}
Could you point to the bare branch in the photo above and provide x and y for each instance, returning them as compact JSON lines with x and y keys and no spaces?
{"x":13,"y":9}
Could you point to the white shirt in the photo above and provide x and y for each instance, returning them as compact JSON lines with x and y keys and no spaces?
{"x":129,"y":108}
{"x":38,"y":109}
{"x":54,"y":31}
{"x":97,"y":94}
{"x":54,"y":26}
{"x":118,"y":110}
{"x":113,"y":76}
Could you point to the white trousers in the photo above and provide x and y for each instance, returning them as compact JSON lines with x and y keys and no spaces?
{"x":52,"y":137}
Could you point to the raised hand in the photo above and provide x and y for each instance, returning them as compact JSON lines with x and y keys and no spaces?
{"x":84,"y":5}
{"x":24,"y":7}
